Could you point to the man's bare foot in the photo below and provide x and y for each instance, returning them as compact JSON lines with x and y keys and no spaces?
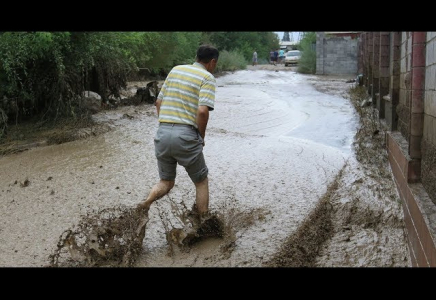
{"x":140,"y":231}
{"x":204,"y":216}
{"x":142,"y":209}
{"x":144,"y":206}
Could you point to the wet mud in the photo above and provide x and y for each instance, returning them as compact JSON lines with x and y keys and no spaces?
{"x":303,"y":247}
{"x":287,"y":188}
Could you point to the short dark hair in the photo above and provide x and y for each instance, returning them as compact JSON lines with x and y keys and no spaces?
{"x":205,"y":53}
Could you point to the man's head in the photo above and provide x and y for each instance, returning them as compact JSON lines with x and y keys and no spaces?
{"x":207,"y":55}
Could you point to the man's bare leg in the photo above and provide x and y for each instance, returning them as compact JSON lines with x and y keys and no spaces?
{"x":159,"y":190}
{"x":202,"y":196}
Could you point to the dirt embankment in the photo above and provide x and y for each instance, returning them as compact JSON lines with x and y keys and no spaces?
{"x":35,"y":132}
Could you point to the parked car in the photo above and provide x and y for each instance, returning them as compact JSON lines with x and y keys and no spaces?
{"x":292,"y":57}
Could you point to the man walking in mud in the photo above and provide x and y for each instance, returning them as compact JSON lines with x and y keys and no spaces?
{"x":183,"y":105}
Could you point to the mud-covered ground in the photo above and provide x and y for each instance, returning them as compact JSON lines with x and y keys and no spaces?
{"x":360,"y":216}
{"x":355,"y":221}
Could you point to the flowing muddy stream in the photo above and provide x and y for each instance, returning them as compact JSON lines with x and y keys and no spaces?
{"x":273,"y":146}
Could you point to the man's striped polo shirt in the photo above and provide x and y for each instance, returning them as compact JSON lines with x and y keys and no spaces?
{"x":185,"y":88}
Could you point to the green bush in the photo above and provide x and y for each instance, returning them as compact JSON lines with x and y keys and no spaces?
{"x":231,"y":61}
{"x":307,"y":62}
{"x":3,"y":123}
{"x":244,"y":42}
{"x":45,"y":73}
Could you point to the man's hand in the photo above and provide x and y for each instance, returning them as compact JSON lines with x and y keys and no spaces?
{"x":202,"y":119}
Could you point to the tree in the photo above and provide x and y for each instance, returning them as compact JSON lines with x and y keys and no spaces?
{"x":307,"y":62}
{"x":286,"y":37}
{"x":46,"y":73}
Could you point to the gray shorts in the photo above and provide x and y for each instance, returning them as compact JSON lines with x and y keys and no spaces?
{"x":182,"y":144}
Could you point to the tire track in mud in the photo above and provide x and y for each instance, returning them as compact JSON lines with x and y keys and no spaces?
{"x":359,"y":220}
{"x":302,"y":247}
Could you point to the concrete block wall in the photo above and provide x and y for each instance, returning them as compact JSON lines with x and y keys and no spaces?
{"x":394,"y":80}
{"x":384,"y":72}
{"x":370,"y":53}
{"x":360,"y":55}
{"x":336,"y":55}
{"x":403,"y":108}
{"x":320,"y":53}
{"x":376,"y":68}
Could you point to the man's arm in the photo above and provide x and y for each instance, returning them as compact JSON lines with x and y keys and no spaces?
{"x":202,"y":119}
{"x":158,"y":103}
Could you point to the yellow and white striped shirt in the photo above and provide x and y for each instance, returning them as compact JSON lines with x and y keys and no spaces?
{"x":185,"y":88}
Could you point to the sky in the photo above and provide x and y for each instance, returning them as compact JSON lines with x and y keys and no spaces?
{"x":294,"y":33}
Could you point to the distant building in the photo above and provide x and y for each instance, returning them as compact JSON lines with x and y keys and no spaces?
{"x":288,"y":45}
{"x":351,"y":34}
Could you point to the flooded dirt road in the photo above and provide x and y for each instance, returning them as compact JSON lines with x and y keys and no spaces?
{"x":273,"y":146}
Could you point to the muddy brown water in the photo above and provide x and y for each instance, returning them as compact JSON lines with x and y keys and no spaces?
{"x":270,"y":160}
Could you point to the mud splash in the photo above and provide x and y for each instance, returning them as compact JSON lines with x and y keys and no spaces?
{"x":196,"y":228}
{"x":198,"y":241}
{"x":192,"y":228}
{"x":109,"y":237}
{"x":113,"y":237}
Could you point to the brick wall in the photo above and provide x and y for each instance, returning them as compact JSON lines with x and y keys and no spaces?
{"x":410,"y":112}
{"x":429,"y":132}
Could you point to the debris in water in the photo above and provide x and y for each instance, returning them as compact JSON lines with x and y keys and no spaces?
{"x":25,"y":183}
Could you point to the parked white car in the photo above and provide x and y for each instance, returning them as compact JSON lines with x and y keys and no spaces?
{"x":292,"y":57}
